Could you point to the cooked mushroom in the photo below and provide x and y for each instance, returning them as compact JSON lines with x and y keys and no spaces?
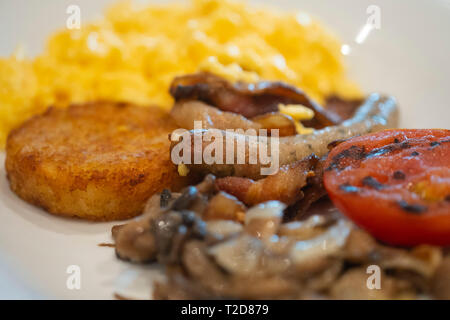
{"x":263,"y":221}
{"x":305,"y":229}
{"x":353,"y":286}
{"x":223,"y":228}
{"x":134,"y":240}
{"x":224,"y":206}
{"x":240,"y":255}
{"x":136,"y":243}
{"x":320,"y":256}
{"x":440,"y":284}
{"x":172,"y":230}
{"x":308,"y":254}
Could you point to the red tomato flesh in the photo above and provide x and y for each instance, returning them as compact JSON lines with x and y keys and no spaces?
{"x":395,"y":184}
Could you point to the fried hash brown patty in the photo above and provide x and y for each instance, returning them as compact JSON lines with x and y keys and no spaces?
{"x":97,"y":161}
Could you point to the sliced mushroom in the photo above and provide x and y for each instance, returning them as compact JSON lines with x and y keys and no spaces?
{"x":224,"y":228}
{"x":240,"y":255}
{"x":306,"y":229}
{"x":440,"y":284}
{"x":224,"y":206}
{"x":326,"y":278}
{"x":263,"y":220}
{"x":135,"y":242}
{"x":264,"y":287}
{"x":202,"y":269}
{"x":422,"y":260}
{"x":360,"y":247}
{"x":304,"y":254}
{"x":353,"y":286}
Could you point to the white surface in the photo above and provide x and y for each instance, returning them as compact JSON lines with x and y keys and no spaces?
{"x":408,"y":57}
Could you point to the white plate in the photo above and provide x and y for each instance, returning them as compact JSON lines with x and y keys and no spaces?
{"x":407,"y":57}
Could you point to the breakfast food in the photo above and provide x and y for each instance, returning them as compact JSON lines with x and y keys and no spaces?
{"x":247,"y":99}
{"x":285,"y":185}
{"x":133,"y":53}
{"x":376,"y":113}
{"x":97,"y":161}
{"x":347,"y":197}
{"x":395,"y":184}
{"x":246,"y":236}
{"x":263,"y":256}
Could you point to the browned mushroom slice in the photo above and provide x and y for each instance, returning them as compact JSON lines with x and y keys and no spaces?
{"x":353,"y":286}
{"x":264,"y":220}
{"x":305,"y":229}
{"x":223,"y":228}
{"x":440,"y":285}
{"x":308,"y":255}
{"x":135,"y":241}
{"x":223,"y":206}
{"x":247,"y":99}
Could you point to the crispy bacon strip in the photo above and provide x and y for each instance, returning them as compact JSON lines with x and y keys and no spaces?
{"x":340,"y":109}
{"x":247,"y":99}
{"x":284,"y":186}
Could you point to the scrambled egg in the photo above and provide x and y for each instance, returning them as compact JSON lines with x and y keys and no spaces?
{"x":298,"y":112}
{"x":133,"y":53}
{"x":183,"y":170}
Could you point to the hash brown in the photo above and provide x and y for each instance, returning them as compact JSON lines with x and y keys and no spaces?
{"x":96,"y":161}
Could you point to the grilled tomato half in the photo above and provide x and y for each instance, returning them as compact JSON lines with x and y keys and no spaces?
{"x":395,"y":184}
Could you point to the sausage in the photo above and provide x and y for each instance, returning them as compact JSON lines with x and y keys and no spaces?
{"x":186,"y":112}
{"x":376,"y":113}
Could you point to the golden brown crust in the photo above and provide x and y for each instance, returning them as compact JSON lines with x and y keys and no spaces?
{"x":96,"y":161}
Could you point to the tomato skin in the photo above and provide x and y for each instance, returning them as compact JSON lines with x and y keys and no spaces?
{"x":395,"y":184}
